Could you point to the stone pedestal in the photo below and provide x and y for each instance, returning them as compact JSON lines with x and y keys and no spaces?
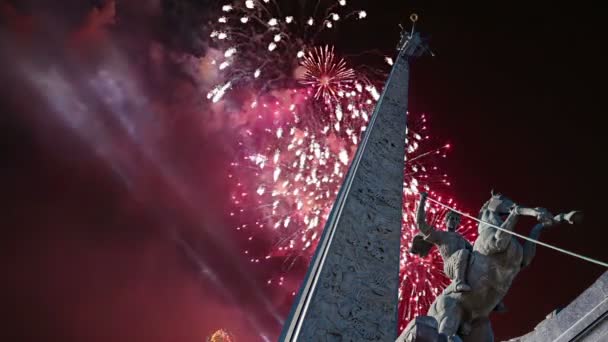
{"x":584,"y":320}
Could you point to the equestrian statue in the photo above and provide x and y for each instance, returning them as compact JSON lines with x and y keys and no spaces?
{"x":481,"y":274}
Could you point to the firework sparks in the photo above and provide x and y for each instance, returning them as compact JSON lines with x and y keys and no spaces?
{"x":297,"y":172}
{"x":308,"y":111}
{"x":221,"y":336}
{"x":298,"y":165}
{"x":422,"y":278}
{"x":325,"y":73}
{"x":265,"y":41}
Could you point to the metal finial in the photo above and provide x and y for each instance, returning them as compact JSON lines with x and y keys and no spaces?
{"x":414,"y":19}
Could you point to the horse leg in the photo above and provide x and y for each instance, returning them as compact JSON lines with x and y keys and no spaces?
{"x":530,"y":246}
{"x":481,"y":330}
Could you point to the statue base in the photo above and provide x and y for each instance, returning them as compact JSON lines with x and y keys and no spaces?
{"x":585,"y":319}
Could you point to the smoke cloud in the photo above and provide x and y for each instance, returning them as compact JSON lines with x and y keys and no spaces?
{"x":114,"y":178}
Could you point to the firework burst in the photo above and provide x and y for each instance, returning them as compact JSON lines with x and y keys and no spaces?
{"x":262,"y":44}
{"x":288,"y":176}
{"x":297,"y":159}
{"x":221,"y":336}
{"x":326,"y":74}
{"x":422,"y":278}
{"x":307,"y":110}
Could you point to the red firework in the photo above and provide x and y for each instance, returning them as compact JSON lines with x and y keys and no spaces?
{"x":296,"y":145}
{"x":221,"y":336}
{"x":289,"y":173}
{"x":327,"y":74}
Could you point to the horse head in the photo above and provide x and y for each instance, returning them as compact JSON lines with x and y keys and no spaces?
{"x":495,"y":210}
{"x":494,"y":213}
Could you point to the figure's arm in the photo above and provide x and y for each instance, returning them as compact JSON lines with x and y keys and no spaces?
{"x":425,"y":228}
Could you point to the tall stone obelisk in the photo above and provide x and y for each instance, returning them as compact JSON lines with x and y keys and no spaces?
{"x":351,"y":288}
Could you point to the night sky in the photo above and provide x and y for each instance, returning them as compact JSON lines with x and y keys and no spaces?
{"x":93,"y":254}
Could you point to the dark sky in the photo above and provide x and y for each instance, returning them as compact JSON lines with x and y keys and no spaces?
{"x":518,"y":88}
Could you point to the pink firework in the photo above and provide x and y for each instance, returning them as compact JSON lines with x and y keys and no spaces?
{"x":289,"y":173}
{"x":422,"y":279}
{"x":304,"y":113}
{"x":260,"y":43}
{"x":326,"y":73}
{"x":291,"y":165}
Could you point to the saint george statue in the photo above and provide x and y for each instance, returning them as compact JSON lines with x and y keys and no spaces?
{"x":482,"y":275}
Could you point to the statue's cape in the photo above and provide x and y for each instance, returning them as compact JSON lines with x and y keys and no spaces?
{"x":420,"y":246}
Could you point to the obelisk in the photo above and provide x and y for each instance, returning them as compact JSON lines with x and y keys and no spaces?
{"x":351,"y":288}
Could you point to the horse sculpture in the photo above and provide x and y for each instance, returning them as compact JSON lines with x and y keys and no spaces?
{"x":496,"y":259}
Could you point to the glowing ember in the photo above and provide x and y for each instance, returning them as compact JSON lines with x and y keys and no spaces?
{"x":221,"y":336}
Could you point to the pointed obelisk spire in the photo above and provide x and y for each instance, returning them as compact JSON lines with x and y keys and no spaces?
{"x":351,"y":288}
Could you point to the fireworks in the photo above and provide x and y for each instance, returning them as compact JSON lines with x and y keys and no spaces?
{"x":290,"y":167}
{"x":306,"y":110}
{"x":263,"y":45}
{"x":288,"y":176}
{"x":325,"y":73}
{"x":422,"y":279}
{"x":221,"y":336}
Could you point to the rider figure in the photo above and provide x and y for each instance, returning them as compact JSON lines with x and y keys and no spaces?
{"x":453,"y":247}
{"x":496,"y":261}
